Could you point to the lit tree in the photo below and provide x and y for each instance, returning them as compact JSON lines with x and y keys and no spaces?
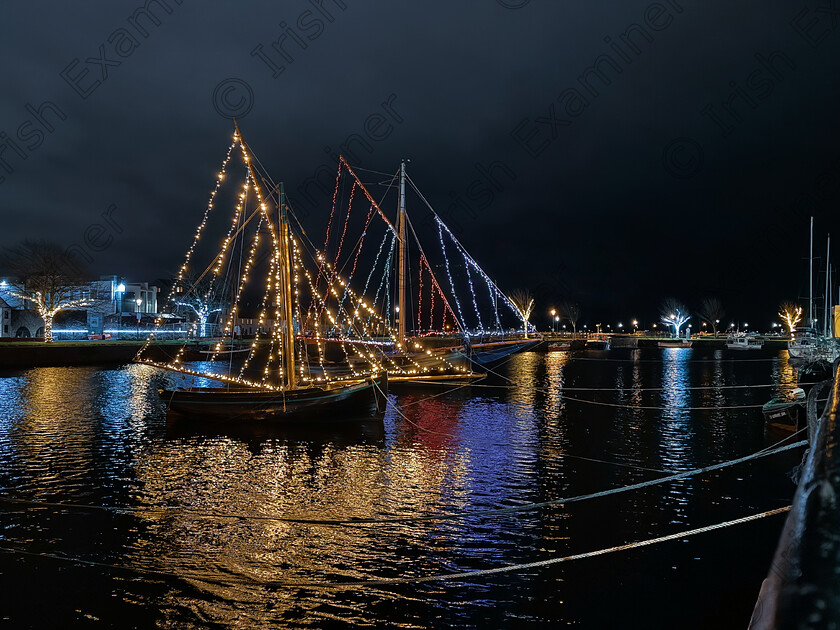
{"x":200,"y":299}
{"x":48,"y":278}
{"x":570,"y":312}
{"x":524,"y":304}
{"x":791,"y":314}
{"x":674,"y":313}
{"x":711,"y":312}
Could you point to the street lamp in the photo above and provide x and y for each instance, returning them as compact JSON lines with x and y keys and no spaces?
{"x":120,"y":291}
{"x":138,"y":301}
{"x":557,"y":322}
{"x":553,"y":315}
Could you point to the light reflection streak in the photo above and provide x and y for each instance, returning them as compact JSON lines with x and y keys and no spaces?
{"x":676,"y":428}
{"x":555,"y":363}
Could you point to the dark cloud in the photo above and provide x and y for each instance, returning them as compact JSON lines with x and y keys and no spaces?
{"x":593,"y":207}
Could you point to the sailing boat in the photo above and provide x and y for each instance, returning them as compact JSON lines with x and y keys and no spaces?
{"x":806,"y":343}
{"x":489,"y":346}
{"x":274,"y":381}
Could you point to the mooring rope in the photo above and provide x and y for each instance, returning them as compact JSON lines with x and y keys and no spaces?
{"x":439,"y":577}
{"x":464,"y":575}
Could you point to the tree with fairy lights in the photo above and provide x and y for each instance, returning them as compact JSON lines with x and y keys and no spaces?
{"x":524,"y":305}
{"x":791,"y":314}
{"x":674,"y":313}
{"x":200,"y":298}
{"x":48,"y":277}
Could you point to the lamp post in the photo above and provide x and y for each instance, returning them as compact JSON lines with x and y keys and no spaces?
{"x":120,"y":291}
{"x":553,"y":315}
{"x":138,"y":301}
{"x":557,"y":322}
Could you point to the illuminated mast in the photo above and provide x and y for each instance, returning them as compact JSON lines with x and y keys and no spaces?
{"x":286,"y":281}
{"x":401,"y":302}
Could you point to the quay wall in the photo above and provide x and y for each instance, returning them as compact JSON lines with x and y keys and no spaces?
{"x":802,"y":587}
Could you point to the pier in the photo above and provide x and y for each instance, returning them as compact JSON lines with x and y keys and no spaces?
{"x":802,"y":588}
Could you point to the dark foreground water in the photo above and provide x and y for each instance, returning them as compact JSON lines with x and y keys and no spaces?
{"x":187,"y":538}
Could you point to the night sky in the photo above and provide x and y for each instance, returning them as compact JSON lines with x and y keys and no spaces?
{"x":609,"y":153}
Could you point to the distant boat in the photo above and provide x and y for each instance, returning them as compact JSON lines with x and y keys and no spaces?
{"x":598,"y":341}
{"x":785,"y":412}
{"x":674,"y":343}
{"x":744,"y":342}
{"x":491,"y":351}
{"x":804,"y":344}
{"x":360,"y":399}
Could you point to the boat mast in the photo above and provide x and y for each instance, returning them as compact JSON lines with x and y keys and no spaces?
{"x":286,"y":282}
{"x":827,"y":285}
{"x":401,"y":302}
{"x":811,"y":279}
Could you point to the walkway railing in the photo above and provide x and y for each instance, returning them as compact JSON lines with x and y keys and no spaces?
{"x":802,"y":588}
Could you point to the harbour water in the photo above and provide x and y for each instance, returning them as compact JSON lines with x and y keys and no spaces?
{"x":112,"y":517}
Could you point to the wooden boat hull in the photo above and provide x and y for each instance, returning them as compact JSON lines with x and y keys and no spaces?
{"x":363,"y":399}
{"x":597,"y":345}
{"x":407,"y":383}
{"x":486,"y":353}
{"x":674,"y":344}
{"x":783,"y":415}
{"x":559,"y":346}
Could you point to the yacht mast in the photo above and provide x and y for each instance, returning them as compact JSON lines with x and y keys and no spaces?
{"x":827,"y":285}
{"x":401,"y":303}
{"x":811,"y":279}
{"x":286,"y":282}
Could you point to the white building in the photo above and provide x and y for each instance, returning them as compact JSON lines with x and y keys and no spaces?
{"x":5,"y":319}
{"x":114,"y":295}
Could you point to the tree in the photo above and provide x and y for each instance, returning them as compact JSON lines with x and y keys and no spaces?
{"x":711,"y":312}
{"x":49,"y":277}
{"x":200,"y":298}
{"x":524,"y":305}
{"x":570,"y":312}
{"x":791,"y":314}
{"x":674,"y":313}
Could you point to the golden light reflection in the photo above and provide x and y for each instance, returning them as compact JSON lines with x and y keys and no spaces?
{"x":555,"y":364}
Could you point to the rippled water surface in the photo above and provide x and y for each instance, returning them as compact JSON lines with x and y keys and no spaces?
{"x":178,"y":525}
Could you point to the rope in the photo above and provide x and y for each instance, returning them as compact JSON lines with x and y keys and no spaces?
{"x":464,"y":575}
{"x":563,"y":388}
{"x":440,"y":517}
{"x":441,"y":577}
{"x":605,"y":404}
{"x":671,"y":360}
{"x":543,"y":390}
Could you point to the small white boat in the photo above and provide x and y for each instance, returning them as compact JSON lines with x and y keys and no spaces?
{"x":598,"y":341}
{"x":803,"y":344}
{"x":674,"y":343}
{"x":744,"y":342}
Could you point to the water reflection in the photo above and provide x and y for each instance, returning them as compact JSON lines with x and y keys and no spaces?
{"x":100,"y":437}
